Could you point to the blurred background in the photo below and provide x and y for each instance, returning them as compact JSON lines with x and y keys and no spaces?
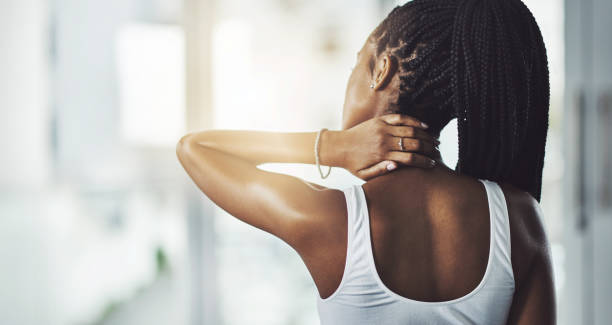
{"x":100,"y":225}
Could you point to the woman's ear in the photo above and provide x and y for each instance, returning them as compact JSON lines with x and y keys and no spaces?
{"x":384,"y":70}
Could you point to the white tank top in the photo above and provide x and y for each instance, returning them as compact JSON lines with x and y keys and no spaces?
{"x":362,"y":298}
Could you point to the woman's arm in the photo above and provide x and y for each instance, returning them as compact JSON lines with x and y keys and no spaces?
{"x":534,"y":297}
{"x":534,"y":301}
{"x":257,"y":147}
{"x":223,"y":164}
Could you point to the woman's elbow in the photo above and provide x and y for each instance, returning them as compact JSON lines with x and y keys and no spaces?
{"x":184,"y":146}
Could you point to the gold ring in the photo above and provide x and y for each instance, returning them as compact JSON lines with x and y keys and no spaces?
{"x":401,"y":143}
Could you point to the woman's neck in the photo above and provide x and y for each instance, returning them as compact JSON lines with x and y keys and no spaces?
{"x":437,"y":157}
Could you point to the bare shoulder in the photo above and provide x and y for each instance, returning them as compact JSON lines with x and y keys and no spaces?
{"x":326,"y":222}
{"x":322,"y":241}
{"x":534,"y":298}
{"x":525,"y":211}
{"x":528,"y":236}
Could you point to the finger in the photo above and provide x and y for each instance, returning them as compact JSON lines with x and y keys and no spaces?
{"x":410,"y":145}
{"x":402,"y":119}
{"x":410,"y":159}
{"x":409,"y":132}
{"x":378,"y":169}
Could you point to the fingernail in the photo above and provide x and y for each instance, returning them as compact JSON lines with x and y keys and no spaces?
{"x":424,"y":125}
{"x":391,"y":166}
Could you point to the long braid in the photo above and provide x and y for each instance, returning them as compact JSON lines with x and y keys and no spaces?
{"x":480,"y":61}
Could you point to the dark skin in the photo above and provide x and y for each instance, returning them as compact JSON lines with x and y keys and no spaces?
{"x":429,"y":225}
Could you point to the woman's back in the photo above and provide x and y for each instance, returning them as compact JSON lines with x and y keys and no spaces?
{"x":442,"y":224}
{"x":440,"y":248}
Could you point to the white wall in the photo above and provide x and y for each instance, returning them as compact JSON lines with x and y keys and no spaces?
{"x":24,"y":133}
{"x":24,"y":159}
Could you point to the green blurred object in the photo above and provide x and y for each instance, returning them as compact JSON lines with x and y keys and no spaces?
{"x":161,"y":260}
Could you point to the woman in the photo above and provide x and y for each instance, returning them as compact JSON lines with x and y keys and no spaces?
{"x":426,"y":245}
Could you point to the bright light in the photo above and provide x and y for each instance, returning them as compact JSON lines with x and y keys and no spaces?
{"x":151,"y":73}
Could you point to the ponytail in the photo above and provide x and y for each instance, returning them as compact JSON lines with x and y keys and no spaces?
{"x":501,"y":93}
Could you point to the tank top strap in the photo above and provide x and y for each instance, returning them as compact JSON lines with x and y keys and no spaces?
{"x":500,"y":229}
{"x":360,"y":238}
{"x":357,"y":279}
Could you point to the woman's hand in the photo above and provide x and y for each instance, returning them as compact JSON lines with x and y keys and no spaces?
{"x":372,"y":147}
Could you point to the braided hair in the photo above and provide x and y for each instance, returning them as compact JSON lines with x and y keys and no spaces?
{"x":483,"y":62}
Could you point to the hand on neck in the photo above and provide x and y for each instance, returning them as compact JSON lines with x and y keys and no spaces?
{"x":437,"y":157}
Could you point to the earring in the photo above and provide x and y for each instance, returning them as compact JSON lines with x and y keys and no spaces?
{"x":372,"y":85}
